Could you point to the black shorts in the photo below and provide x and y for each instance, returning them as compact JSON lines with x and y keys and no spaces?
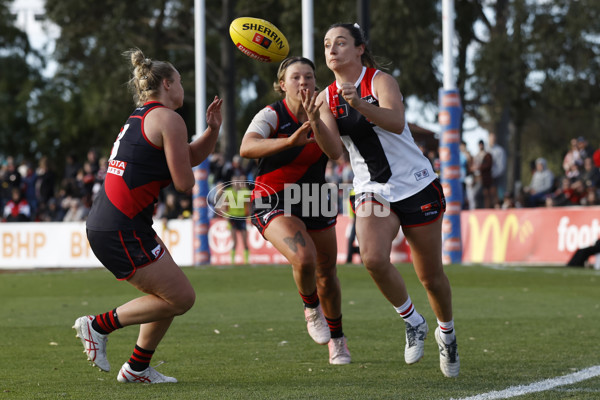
{"x":123,"y":252}
{"x":422,"y":208}
{"x":270,"y":208}
{"x":238,"y":224}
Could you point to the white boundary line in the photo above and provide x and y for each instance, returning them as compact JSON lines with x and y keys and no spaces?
{"x":541,"y":386}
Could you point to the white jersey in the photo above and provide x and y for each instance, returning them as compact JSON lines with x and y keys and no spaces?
{"x":383,"y":162}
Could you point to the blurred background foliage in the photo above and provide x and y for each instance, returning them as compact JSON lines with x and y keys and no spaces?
{"x":526,"y":69}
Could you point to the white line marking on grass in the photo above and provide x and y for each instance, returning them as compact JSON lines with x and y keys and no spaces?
{"x":541,"y":386}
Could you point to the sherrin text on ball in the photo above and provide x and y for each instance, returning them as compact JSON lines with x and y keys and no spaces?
{"x":259,"y":39}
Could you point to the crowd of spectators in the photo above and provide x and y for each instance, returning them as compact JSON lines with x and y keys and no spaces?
{"x":577,"y":184}
{"x":37,"y":192}
{"x":30,"y":192}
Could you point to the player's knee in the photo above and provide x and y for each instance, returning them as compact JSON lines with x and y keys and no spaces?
{"x":433,"y":282}
{"x":306,"y":267}
{"x":185,"y":301}
{"x":327,"y":271}
{"x":373,"y":260}
{"x":305,"y":262}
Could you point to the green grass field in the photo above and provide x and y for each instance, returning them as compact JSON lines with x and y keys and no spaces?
{"x":246,"y":338}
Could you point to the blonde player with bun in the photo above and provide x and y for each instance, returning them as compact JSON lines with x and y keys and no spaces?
{"x":150,"y":152}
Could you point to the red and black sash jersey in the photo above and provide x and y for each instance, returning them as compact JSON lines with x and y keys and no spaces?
{"x":137,"y":172}
{"x":302,"y":164}
{"x":362,"y":132}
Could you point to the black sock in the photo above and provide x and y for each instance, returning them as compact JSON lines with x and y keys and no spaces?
{"x":335,"y":327}
{"x":107,"y":322}
{"x":140,"y":358}
{"x":310,"y":301}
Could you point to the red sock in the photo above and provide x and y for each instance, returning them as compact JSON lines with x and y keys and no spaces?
{"x":335,"y":327}
{"x":140,"y":359}
{"x":107,"y":322}
{"x":310,"y":301}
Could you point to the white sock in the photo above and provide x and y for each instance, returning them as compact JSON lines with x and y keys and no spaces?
{"x":409,"y":314}
{"x":447,"y":331}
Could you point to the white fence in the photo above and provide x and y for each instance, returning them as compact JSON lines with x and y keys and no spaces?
{"x":31,"y":245}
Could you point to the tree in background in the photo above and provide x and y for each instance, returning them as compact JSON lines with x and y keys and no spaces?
{"x":534,"y":75}
{"x":87,"y":99}
{"x":20,"y":83}
{"x":526,"y":69}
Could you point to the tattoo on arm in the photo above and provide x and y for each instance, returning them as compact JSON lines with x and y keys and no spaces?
{"x":293,"y":242}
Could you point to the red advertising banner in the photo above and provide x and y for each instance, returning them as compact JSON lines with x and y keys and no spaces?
{"x":529,"y":235}
{"x":526,"y":236}
{"x":263,"y":252}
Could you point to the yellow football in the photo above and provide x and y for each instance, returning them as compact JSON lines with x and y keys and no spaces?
{"x":259,"y":39}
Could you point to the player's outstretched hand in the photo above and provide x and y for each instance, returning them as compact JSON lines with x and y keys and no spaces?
{"x":301,"y":136}
{"x":309,"y":102}
{"x":213,"y":114}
